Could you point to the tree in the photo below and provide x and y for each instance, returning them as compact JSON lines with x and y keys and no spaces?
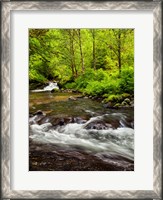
{"x":80,"y":56}
{"x":94,"y":48}
{"x":81,"y":51}
{"x":117,"y":39}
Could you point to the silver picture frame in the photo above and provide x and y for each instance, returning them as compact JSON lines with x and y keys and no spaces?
{"x":7,"y":7}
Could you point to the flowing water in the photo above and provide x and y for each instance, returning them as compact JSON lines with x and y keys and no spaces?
{"x":47,"y":88}
{"x":79,"y":134}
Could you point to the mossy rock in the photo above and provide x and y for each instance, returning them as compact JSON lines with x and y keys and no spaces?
{"x":126,"y":95}
{"x":117,"y":105}
{"x":72,"y":98}
{"x":114,"y":98}
{"x":127,"y":100}
{"x":124,"y":103}
{"x":54,"y":90}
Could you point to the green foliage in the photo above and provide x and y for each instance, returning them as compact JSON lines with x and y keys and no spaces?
{"x":94,"y":88}
{"x":83,"y":80}
{"x":70,"y":85}
{"x":117,"y":98}
{"x":100,"y":74}
{"x":127,"y":80}
{"x":106,"y":86}
{"x":97,"y":62}
{"x":35,"y":77}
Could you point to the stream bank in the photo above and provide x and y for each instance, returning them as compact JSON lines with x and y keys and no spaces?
{"x":78,"y":135}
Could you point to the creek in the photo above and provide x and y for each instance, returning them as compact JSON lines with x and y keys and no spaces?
{"x":78,"y":134}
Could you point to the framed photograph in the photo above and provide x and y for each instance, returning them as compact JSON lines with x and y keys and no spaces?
{"x":81,"y":109}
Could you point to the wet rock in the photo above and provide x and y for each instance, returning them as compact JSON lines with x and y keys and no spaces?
{"x":132,"y":124}
{"x":79,"y":97}
{"x":123,"y":103}
{"x":72,"y":98}
{"x":98,"y":125}
{"x":60,"y":121}
{"x":79,"y":120}
{"x":108,"y":105}
{"x":39,"y":112}
{"x":54,"y":90}
{"x":30,"y":115}
{"x":94,"y":98}
{"x":113,"y":121}
{"x":127,"y":100}
{"x":34,"y":163}
{"x":67,"y":90}
{"x":71,"y":160}
{"x":117,"y":105}
{"x":45,"y":119}
{"x":74,"y":91}
{"x":35,"y":118}
{"x":132,"y":103}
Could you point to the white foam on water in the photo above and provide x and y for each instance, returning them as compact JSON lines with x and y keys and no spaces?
{"x":48,"y":88}
{"x":118,"y":141}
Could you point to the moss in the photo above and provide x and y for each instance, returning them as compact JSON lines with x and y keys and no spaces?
{"x":126,"y":95}
{"x":124,"y":103}
{"x":118,"y":98}
{"x":127,"y":100}
{"x":117,"y":105}
{"x":114,"y":98}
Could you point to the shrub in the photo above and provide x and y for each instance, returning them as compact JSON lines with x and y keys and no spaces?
{"x":70,"y":85}
{"x":94,"y":88}
{"x":127,"y":81}
{"x":83,"y":80}
{"x":100,"y":75}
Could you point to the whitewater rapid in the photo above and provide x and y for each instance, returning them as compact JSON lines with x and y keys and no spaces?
{"x":104,"y":143}
{"x":48,"y":88}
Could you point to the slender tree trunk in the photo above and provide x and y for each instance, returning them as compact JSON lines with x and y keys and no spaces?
{"x":81,"y":52}
{"x":119,"y":52}
{"x":72,"y":53}
{"x":94,"y":49}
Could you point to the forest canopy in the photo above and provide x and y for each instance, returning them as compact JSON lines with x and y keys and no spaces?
{"x":97,"y":62}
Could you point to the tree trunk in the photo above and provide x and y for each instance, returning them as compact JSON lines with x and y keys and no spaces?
{"x":81,"y":52}
{"x":72,"y":53}
{"x":71,"y":56}
{"x":94,"y":49}
{"x":119,"y":53}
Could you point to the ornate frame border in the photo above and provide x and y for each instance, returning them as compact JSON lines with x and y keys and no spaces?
{"x":6,"y":7}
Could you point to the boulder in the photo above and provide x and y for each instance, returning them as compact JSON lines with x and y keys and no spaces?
{"x":79,"y":120}
{"x":39,"y":112}
{"x":124,"y":103}
{"x":108,"y":105}
{"x":127,"y":100}
{"x":98,"y":125}
{"x":74,"y":91}
{"x":72,"y":98}
{"x":117,"y":105}
{"x":54,"y":90}
{"x":132,"y":103}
